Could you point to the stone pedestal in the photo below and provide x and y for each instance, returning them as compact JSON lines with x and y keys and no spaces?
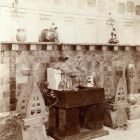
{"x":116,"y":110}
{"x":78,"y":115}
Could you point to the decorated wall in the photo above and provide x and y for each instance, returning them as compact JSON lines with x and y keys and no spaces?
{"x":78,"y":21}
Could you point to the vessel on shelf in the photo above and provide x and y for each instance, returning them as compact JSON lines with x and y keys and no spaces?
{"x":20,"y":35}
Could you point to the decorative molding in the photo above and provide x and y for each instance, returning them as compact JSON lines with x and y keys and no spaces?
{"x":116,"y":48}
{"x":126,"y":48}
{"x":50,"y":46}
{"x":104,"y":48}
{"x":33,"y":47}
{"x":78,"y":47}
{"x":14,"y":47}
{"x":138,"y":48}
{"x":91,"y":48}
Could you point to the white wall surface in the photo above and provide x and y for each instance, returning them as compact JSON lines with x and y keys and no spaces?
{"x":82,"y":21}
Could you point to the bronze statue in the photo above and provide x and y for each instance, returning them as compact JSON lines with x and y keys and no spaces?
{"x":113,"y":39}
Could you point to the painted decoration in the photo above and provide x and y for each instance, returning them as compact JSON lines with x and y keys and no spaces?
{"x":130,"y":6}
{"x":121,"y":8}
{"x":137,"y":9}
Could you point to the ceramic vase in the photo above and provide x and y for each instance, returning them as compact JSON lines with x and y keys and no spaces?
{"x":20,"y":35}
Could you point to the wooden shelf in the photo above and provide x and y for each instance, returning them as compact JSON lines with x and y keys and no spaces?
{"x":50,"y":46}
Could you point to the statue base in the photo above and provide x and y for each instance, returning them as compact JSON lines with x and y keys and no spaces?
{"x":113,"y":41}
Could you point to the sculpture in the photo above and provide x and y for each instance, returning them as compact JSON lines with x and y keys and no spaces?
{"x":130,"y":78}
{"x":116,"y":106}
{"x":32,"y":109}
{"x":49,"y":35}
{"x":113,"y":39}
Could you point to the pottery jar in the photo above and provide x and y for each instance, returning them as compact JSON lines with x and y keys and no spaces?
{"x":20,"y":35}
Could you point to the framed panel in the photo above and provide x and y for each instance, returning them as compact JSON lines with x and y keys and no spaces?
{"x":121,"y":8}
{"x":91,"y":3}
{"x":129,"y":32}
{"x":111,"y":4}
{"x":91,"y":31}
{"x":101,"y":6}
{"x":81,"y":4}
{"x":58,"y":2}
{"x":47,"y":1}
{"x":130,"y":6}
{"x":137,"y":9}
{"x":68,"y":29}
{"x":69,"y":2}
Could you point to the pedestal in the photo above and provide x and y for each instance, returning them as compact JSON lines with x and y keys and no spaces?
{"x":78,"y":115}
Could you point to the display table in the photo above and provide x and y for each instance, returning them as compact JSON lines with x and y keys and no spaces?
{"x":78,"y":114}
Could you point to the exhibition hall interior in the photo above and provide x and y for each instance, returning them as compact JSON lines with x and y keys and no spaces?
{"x":69,"y":69}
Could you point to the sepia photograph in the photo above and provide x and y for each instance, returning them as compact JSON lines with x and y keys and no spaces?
{"x":69,"y":69}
